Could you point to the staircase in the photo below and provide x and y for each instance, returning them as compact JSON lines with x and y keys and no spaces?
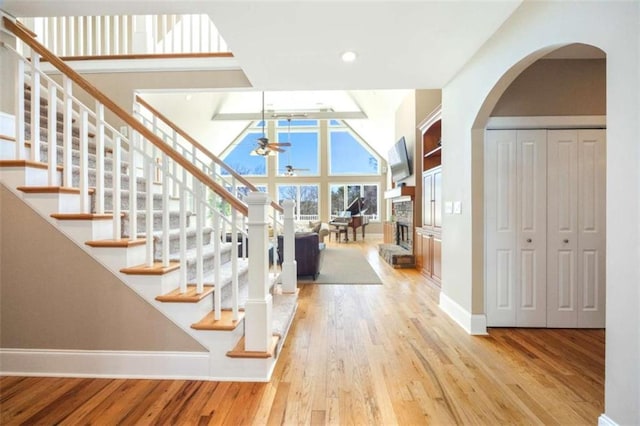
{"x":140,"y":211}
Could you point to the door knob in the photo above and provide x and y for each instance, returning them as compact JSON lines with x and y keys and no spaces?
{"x":565,"y":241}
{"x":529,"y":240}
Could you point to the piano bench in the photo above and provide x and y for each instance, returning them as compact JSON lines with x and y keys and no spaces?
{"x":339,"y":230}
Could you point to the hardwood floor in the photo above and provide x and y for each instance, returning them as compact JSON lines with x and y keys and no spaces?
{"x":378,"y":354}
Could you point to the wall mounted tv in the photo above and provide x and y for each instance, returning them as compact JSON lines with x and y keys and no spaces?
{"x":398,"y":160}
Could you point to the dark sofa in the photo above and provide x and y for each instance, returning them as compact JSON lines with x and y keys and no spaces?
{"x":308,"y":253}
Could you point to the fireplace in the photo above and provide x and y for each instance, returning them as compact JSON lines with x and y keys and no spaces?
{"x":403,"y":235}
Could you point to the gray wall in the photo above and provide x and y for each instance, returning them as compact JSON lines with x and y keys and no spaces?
{"x":53,"y":295}
{"x":551,"y":87}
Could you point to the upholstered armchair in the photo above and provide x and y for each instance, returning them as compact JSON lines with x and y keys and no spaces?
{"x":308,"y":253}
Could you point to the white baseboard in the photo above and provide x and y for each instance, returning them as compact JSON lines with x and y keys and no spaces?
{"x":604,"y":420}
{"x":472,"y":324}
{"x":105,"y":364}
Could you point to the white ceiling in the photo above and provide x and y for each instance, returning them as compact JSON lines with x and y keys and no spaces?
{"x":285,"y":46}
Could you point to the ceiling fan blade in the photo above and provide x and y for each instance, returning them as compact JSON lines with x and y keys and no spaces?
{"x":278,"y":144}
{"x":275,"y":148}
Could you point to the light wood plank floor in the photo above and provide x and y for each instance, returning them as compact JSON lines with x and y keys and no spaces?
{"x":360,"y":355}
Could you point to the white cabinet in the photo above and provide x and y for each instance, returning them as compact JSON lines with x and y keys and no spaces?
{"x":544,"y":216}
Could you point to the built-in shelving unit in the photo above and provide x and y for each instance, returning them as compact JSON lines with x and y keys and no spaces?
{"x":428,"y":233}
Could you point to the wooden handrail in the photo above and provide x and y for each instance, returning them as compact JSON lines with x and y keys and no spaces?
{"x":202,"y":148}
{"x":23,"y":35}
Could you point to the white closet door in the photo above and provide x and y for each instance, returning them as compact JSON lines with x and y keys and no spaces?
{"x":591,"y":228}
{"x":562,"y":229}
{"x":515,"y":207}
{"x":531,"y":291}
{"x":501,"y":227}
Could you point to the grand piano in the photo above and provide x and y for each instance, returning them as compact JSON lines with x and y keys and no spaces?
{"x":353,"y":218}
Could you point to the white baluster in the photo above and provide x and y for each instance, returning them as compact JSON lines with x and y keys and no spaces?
{"x":183,"y":235}
{"x":85,"y":207}
{"x":216,"y":261}
{"x":166,"y":185}
{"x":289,"y":264}
{"x":70,"y":36}
{"x":89,"y":35}
{"x":258,"y":325}
{"x":234,"y":262}
{"x":52,"y":135}
{"x":99,"y":194}
{"x":117,"y":176}
{"x":199,"y":200}
{"x":67,"y":165}
{"x":81,"y":22}
{"x":148,"y":175}
{"x":19,"y":102}
{"x":133,"y":185}
{"x":35,"y":107}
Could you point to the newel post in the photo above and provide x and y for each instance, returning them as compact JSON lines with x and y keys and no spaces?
{"x":289,"y":264}
{"x":258,"y":327}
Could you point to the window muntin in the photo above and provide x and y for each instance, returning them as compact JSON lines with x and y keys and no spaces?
{"x":306,"y":198}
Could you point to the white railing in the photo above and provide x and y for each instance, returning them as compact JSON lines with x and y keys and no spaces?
{"x":206,"y":161}
{"x":143,"y":149}
{"x":127,"y":34}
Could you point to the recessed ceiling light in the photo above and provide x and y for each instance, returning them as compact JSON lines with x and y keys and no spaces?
{"x":349,"y":56}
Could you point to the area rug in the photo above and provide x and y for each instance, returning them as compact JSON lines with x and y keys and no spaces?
{"x":343,"y":266}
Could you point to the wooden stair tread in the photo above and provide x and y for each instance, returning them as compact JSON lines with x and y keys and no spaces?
{"x":51,"y":190}
{"x":26,"y":163}
{"x":190,"y":296}
{"x":239,"y":352}
{"x":82,"y":216}
{"x":122,"y":243}
{"x":156,"y":269}
{"x":225,"y":323}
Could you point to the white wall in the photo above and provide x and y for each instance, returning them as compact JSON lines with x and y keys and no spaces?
{"x":533,"y":30}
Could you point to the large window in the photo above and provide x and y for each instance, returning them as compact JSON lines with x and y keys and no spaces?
{"x":348,"y":156}
{"x":343,"y":195}
{"x":306,"y":198}
{"x":238,"y":156}
{"x":301,"y":158}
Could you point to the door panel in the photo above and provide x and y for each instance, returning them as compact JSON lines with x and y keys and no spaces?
{"x":532,"y":217}
{"x":562,"y":232}
{"x":427,"y":199}
{"x":591,"y":266}
{"x":501,"y":230}
{"x":437,"y":198}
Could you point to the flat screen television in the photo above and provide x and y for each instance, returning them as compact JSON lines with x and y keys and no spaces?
{"x":398,"y":160}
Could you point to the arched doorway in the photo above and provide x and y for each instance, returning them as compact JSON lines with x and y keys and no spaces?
{"x":544,"y":194}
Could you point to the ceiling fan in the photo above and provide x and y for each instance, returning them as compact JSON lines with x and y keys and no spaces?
{"x":265,"y":147}
{"x":289,"y":170}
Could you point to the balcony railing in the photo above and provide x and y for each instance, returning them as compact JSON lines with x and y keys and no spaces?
{"x":81,"y":36}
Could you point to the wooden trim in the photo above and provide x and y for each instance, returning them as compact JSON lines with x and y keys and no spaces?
{"x":81,"y":216}
{"x":27,"y":163}
{"x":225,"y":323}
{"x":124,"y":115}
{"x":123,"y":243}
{"x":190,"y":296}
{"x":202,"y":148}
{"x":7,"y":138}
{"x":548,"y":122}
{"x":26,"y":29}
{"x":239,"y":352}
{"x":156,"y":269}
{"x":134,"y":56}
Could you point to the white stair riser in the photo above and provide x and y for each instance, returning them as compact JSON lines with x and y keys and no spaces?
{"x":81,"y":231}
{"x":117,"y":258}
{"x":45,"y":204}
{"x":149,"y":286}
{"x":14,"y":177}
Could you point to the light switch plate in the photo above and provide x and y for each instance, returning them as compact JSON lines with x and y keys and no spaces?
{"x":448,"y":207}
{"x":457,"y":207}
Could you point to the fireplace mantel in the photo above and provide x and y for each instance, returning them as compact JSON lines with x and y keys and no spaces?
{"x":400,"y":192}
